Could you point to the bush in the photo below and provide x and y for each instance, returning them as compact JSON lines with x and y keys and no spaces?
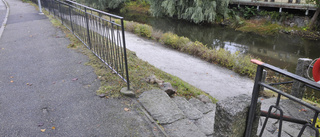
{"x":156,"y":35}
{"x":244,"y":66}
{"x":130,"y":26}
{"x":143,"y":30}
{"x":170,"y":39}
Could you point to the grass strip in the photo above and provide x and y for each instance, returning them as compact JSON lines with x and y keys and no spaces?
{"x":110,"y":83}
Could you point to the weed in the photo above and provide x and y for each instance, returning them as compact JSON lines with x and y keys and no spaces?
{"x":156,"y":35}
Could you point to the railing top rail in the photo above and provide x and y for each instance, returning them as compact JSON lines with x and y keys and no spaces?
{"x":286,"y":73}
{"x":112,"y":15}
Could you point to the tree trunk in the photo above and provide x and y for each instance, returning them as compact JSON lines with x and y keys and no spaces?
{"x":314,"y":18}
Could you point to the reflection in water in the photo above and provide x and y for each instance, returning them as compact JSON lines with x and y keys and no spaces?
{"x":281,"y":50}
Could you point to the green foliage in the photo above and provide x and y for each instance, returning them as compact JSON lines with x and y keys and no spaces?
{"x":143,"y":30}
{"x":196,"y":11}
{"x":103,"y":4}
{"x":248,"y":12}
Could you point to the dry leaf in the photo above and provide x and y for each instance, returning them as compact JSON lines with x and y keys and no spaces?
{"x":11,"y":81}
{"x":53,"y":128}
{"x":126,"y":109}
{"x":11,"y":77}
{"x":43,"y":130}
{"x":74,"y":79}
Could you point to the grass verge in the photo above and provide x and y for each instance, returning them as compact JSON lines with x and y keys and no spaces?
{"x":110,"y":83}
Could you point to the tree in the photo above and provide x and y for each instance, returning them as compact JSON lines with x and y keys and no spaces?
{"x":315,"y":15}
{"x":193,"y":10}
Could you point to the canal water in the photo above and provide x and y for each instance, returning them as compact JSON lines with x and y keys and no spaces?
{"x":281,"y":50}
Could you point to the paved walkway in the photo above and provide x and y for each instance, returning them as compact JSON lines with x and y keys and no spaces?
{"x":219,"y":82}
{"x":38,"y":96}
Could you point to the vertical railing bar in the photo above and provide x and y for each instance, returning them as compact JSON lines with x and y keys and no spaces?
{"x":109,"y":47}
{"x":125,"y":54}
{"x":254,"y":101}
{"x":88,"y":32}
{"x":119,"y":49}
{"x":71,"y":19}
{"x":60,"y":13}
{"x":112,"y":44}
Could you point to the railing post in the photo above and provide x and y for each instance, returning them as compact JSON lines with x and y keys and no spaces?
{"x":54,"y":13}
{"x":70,"y":19}
{"x":254,"y":100}
{"x":40,"y":8}
{"x":298,"y":88}
{"x":60,"y":12}
{"x":125,"y":54}
{"x":88,"y":31}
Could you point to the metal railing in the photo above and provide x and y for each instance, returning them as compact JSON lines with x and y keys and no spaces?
{"x":255,"y":94}
{"x":290,"y":4}
{"x":101,"y":32}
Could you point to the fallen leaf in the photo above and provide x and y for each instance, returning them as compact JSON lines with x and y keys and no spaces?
{"x":262,"y":99}
{"x":43,"y":130}
{"x":53,"y":128}
{"x":74,"y":79}
{"x":53,"y":82}
{"x":2,"y":48}
{"x":11,"y":81}
{"x":231,"y":76}
{"x":126,"y":109}
{"x":11,"y":77}
{"x":304,"y":110}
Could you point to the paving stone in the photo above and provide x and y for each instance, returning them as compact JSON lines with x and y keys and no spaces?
{"x":188,"y":109}
{"x":204,"y":98}
{"x":204,"y":108}
{"x":160,"y":106}
{"x":205,"y":124}
{"x":183,"y":128}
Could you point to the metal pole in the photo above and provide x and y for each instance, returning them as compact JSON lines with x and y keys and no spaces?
{"x":40,"y":9}
{"x":70,"y":18}
{"x":88,"y":31}
{"x":125,"y":54}
{"x":254,"y":100}
{"x":60,"y":12}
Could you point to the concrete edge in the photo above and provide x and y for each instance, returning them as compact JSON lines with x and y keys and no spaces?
{"x":151,"y":119}
{"x":5,"y":18}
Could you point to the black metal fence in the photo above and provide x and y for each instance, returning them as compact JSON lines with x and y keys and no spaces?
{"x":101,"y":32}
{"x":259,"y":83}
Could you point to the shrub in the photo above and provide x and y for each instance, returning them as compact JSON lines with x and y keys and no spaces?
{"x":130,"y":26}
{"x":143,"y":30}
{"x":244,"y":66}
{"x":156,"y":35}
{"x":170,"y":39}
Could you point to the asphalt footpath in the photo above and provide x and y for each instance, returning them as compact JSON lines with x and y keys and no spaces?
{"x":46,"y":90}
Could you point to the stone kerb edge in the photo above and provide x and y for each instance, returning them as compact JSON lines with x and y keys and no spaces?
{"x":5,"y":18}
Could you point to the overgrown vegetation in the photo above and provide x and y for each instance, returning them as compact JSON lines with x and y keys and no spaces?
{"x":237,"y":62}
{"x":196,"y":11}
{"x":110,"y":83}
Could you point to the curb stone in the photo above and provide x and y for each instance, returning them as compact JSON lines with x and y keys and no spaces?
{"x":5,"y":18}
